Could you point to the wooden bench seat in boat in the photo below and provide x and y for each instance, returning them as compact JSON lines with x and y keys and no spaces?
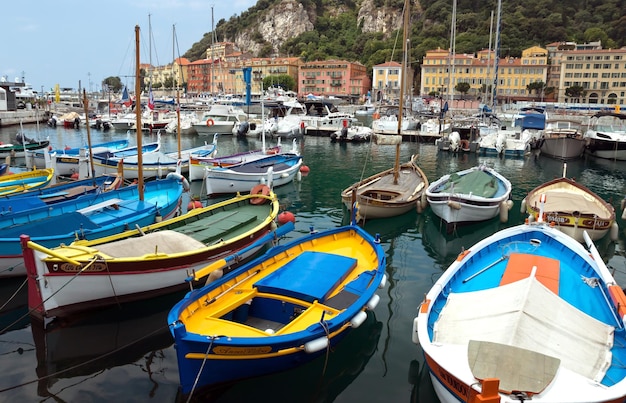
{"x":520,"y":265}
{"x":100,"y":206}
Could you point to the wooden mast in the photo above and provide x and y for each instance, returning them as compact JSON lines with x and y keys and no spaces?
{"x":138,"y":115}
{"x":403,"y":74}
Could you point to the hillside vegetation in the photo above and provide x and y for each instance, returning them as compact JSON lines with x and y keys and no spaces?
{"x":524,"y":24}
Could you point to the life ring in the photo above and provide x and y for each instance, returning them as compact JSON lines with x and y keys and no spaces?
{"x":259,"y":189}
{"x":179,"y":177}
{"x":210,"y":122}
{"x":465,"y":145}
{"x":376,"y":115}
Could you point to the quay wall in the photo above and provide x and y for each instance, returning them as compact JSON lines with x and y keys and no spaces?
{"x":11,"y":118}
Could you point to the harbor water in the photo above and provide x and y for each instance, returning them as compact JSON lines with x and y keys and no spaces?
{"x":126,"y":353}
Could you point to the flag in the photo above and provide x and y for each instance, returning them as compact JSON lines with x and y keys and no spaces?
{"x":125,"y":98}
{"x":57,"y":94}
{"x":150,"y":99}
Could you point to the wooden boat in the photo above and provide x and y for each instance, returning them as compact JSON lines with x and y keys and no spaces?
{"x":389,"y":193}
{"x":67,"y":160}
{"x":562,"y":139}
{"x":396,"y":190}
{"x":148,"y":261}
{"x":109,"y":213}
{"x":58,"y":192}
{"x":573,"y":209}
{"x":280,"y":310}
{"x":472,"y":195}
{"x":24,"y":181}
{"x":527,"y":314}
{"x":273,"y":170}
{"x":21,"y":146}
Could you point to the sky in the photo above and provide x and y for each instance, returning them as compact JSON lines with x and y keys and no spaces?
{"x":70,"y":41}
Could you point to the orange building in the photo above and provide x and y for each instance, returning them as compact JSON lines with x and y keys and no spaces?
{"x":338,"y":78}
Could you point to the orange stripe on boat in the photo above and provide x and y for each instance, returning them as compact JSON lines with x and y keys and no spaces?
{"x":619,"y":299}
{"x":520,"y":266}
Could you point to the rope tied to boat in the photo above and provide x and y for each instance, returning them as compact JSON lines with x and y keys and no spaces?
{"x":206,"y":356}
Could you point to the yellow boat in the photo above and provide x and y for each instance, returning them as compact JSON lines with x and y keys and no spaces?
{"x":23,"y":181}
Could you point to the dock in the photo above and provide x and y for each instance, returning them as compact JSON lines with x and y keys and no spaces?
{"x":11,"y":118}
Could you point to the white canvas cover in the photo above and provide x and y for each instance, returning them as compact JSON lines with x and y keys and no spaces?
{"x":526,"y":314}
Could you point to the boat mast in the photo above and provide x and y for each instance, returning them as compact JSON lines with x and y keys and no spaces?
{"x":403,"y":83}
{"x":452,"y":54}
{"x":138,"y":117}
{"x":177,"y":88}
{"x":487,"y":92}
{"x":496,"y":57}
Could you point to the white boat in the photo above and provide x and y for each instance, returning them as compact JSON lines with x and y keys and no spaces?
{"x":291,"y":124}
{"x":323,"y":118}
{"x":262,"y":173}
{"x":366,"y":109}
{"x":562,"y":139}
{"x":506,"y":142}
{"x":355,"y":133}
{"x":157,"y":164}
{"x":606,"y":135}
{"x":472,"y":195}
{"x":220,"y":119}
{"x":387,"y":121}
{"x":526,"y":315}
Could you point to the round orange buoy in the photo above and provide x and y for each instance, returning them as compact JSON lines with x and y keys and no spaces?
{"x":68,"y":147}
{"x":194,"y":204}
{"x":210,"y":122}
{"x":260,"y":189}
{"x":286,"y":217}
{"x":344,"y":123}
{"x":49,"y":148}
{"x":305,"y":169}
{"x":75,"y":176}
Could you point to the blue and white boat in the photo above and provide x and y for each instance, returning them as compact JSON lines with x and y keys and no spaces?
{"x":57,"y":193}
{"x":68,"y":159}
{"x":273,"y":170}
{"x":527,"y":314}
{"x":109,"y":213}
{"x":472,"y":195}
{"x":279,"y":311}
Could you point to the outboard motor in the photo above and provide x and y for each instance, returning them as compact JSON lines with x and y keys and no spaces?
{"x":243,"y":129}
{"x":52,"y":122}
{"x":76,"y":123}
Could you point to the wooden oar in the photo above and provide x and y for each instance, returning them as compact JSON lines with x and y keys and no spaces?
{"x":220,"y":264}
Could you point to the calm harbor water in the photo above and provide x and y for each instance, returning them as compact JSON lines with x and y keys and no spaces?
{"x":127,"y":354}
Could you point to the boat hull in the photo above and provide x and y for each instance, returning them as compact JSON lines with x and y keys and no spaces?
{"x":380,"y":196}
{"x":225,"y":180}
{"x":252,"y":346}
{"x":152,"y":261}
{"x":572,"y":208}
{"x":565,"y":148}
{"x":467,"y":207}
{"x":533,"y":268}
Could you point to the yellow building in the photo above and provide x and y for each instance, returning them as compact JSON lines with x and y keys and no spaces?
{"x":440,"y":73}
{"x":600,"y":72}
{"x":386,"y":81}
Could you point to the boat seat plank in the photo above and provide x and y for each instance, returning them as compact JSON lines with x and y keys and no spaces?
{"x":100,"y":206}
{"x":309,"y":277}
{"x":208,"y":221}
{"x":520,"y":265}
{"x":517,"y":369}
{"x":352,"y":291}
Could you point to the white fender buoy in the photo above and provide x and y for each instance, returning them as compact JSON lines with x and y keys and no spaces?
{"x":358,"y":319}
{"x":523,"y":208}
{"x":299,"y":176}
{"x":509,"y":204}
{"x":316,"y":345}
{"x":424,"y":200}
{"x":414,"y":335}
{"x":383,"y":282}
{"x":373,"y":302}
{"x":419,"y":207}
{"x":614,"y":232}
{"x":454,"y":205}
{"x":504,"y":212}
{"x":531,"y":218}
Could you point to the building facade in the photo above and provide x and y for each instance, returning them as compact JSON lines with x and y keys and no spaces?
{"x":337,"y":78}
{"x":441,"y":72}
{"x":600,"y":72}
{"x":386,"y":81}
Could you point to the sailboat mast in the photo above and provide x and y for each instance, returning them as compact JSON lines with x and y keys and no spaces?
{"x":487,"y":93}
{"x":177,"y":89}
{"x":403,"y":84}
{"x":496,"y":58}
{"x":452,"y":54}
{"x":138,"y":116}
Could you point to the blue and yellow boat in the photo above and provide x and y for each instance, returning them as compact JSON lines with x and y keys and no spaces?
{"x":279,"y":311}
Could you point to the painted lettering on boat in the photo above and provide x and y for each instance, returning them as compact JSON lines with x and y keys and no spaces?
{"x":453,"y":383}
{"x":93,"y":267}
{"x":557,"y":218}
{"x":596,"y":223}
{"x":242,"y":350}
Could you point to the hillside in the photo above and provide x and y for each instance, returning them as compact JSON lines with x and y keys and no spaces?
{"x":366,"y":30}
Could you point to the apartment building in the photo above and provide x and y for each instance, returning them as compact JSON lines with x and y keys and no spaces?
{"x":441,"y":72}
{"x":600,"y":72}
{"x":338,"y":78}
